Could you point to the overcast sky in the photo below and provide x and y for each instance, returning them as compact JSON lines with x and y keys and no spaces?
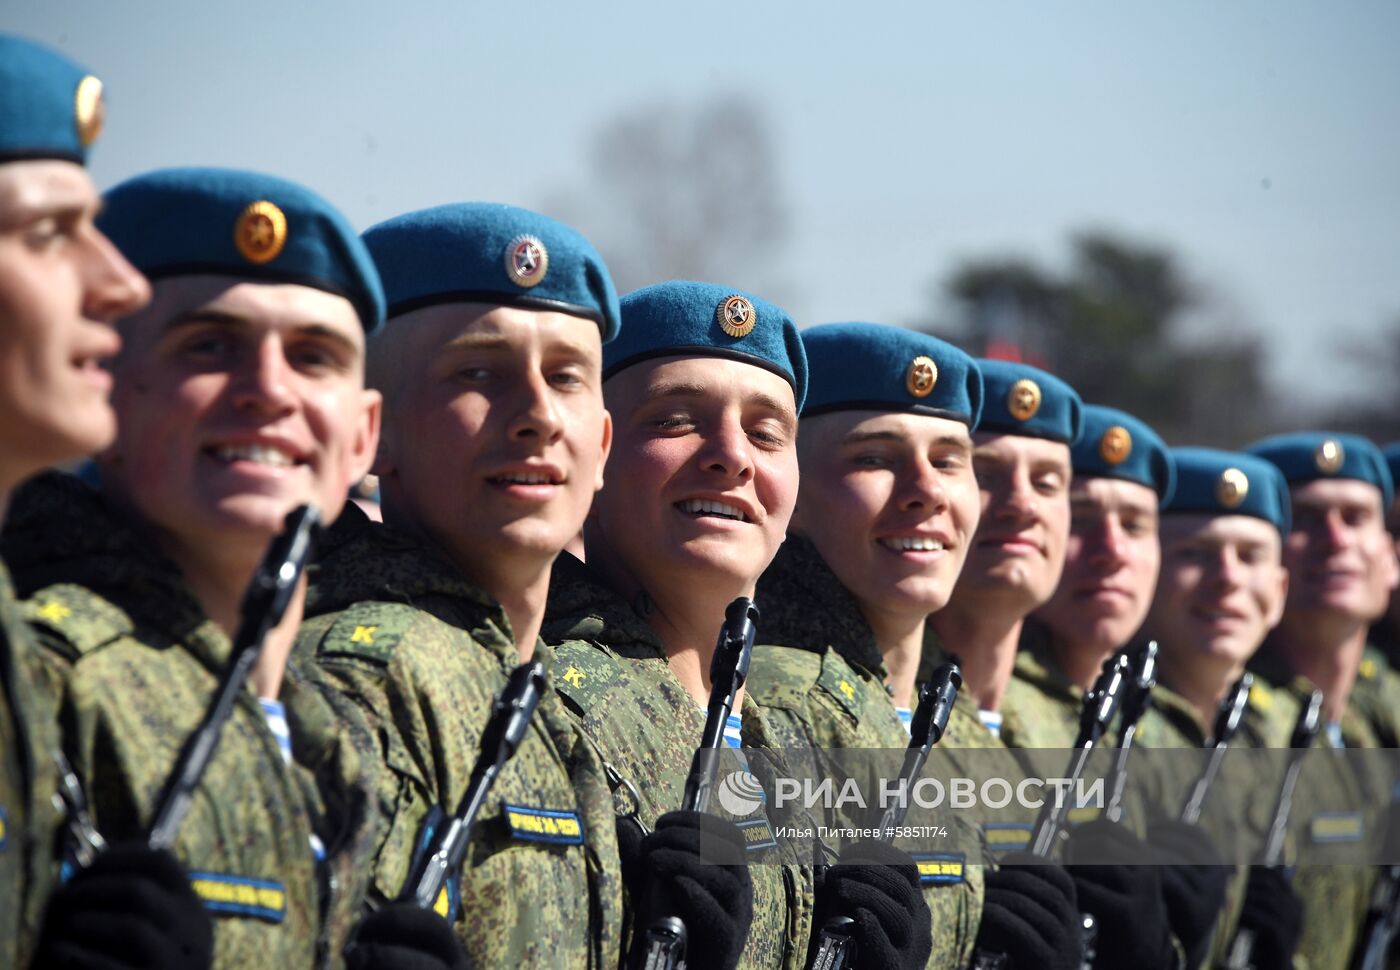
{"x":1258,"y":138}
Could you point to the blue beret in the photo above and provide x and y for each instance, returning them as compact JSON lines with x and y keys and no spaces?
{"x":1117,"y":445}
{"x":873,"y":366}
{"x":49,"y":106}
{"x":186,"y":221}
{"x":1229,"y":483}
{"x":484,"y":252}
{"x":1026,"y":401}
{"x":684,"y":319}
{"x":1309,"y":455}
{"x":1392,"y":461}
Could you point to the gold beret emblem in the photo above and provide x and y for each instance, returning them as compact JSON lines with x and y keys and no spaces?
{"x":736,"y":316}
{"x":1116,"y":445}
{"x":1232,"y":488}
{"x":88,"y":112}
{"x":921,"y":376}
{"x":1023,"y":400}
{"x":261,"y":232}
{"x":526,"y":261}
{"x":1329,"y":456}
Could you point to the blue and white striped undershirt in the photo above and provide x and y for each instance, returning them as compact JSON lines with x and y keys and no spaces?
{"x":733,"y":731}
{"x":275,"y":713}
{"x":1333,"y":733}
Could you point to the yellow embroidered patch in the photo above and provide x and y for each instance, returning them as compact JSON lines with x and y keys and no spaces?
{"x":544,"y":825}
{"x":363,"y":634}
{"x":574,"y":676}
{"x":54,"y":611}
{"x":240,"y":896}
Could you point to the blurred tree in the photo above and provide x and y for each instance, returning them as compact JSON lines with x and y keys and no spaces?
{"x":689,"y":192}
{"x":1378,"y":360}
{"x":1115,"y":326}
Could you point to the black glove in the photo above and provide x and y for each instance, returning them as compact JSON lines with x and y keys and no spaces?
{"x":403,"y":937}
{"x":1031,"y":914}
{"x":1193,"y":887}
{"x":877,"y":886}
{"x":1274,"y":914}
{"x":673,"y":872}
{"x":1123,"y":892}
{"x":132,"y":908}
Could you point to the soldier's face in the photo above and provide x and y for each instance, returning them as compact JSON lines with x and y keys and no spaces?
{"x":1221,"y":590}
{"x":1111,"y":564}
{"x":891,"y":504}
{"x":62,"y":284}
{"x":704,"y":474}
{"x":1019,"y":549}
{"x":495,"y":433}
{"x":237,"y":401}
{"x":1339,"y":556}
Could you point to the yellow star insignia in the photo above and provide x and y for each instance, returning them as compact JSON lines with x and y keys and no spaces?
{"x":54,"y":611}
{"x":574,"y":676}
{"x":363,"y":634}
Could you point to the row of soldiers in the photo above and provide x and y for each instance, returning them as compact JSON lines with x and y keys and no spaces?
{"x":587,"y":482}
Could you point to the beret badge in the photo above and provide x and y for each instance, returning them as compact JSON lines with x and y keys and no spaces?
{"x":1231,"y":489}
{"x":260,"y":232}
{"x":1116,"y":445}
{"x":921,"y":376}
{"x":527,"y":261}
{"x":736,"y":316}
{"x":1023,"y":400}
{"x":88,"y":112}
{"x":1329,"y":456}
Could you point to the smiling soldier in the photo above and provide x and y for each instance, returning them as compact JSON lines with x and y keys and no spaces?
{"x":239,"y":396}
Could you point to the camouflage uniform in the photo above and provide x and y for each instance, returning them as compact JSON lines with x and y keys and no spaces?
{"x":824,"y":688}
{"x":136,"y":663}
{"x":1335,"y":897}
{"x":423,"y":652}
{"x":29,"y":819}
{"x":1376,"y":697}
{"x":614,"y":679}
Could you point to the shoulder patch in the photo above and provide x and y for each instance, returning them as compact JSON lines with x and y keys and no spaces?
{"x":845,"y":686}
{"x":77,"y":617}
{"x":367,"y":631}
{"x":782,"y":677}
{"x":582,"y":674}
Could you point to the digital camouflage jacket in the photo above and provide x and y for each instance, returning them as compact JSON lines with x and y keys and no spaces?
{"x":615,"y":681}
{"x":422,"y":653}
{"x":135,"y":663}
{"x":29,"y":820}
{"x":818,"y":677}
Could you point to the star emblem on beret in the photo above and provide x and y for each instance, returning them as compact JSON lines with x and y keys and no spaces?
{"x":1329,"y":456}
{"x":527,"y":261}
{"x":1116,"y":445}
{"x":1231,"y":489}
{"x":261,"y":232}
{"x":921,"y":377}
{"x":1023,"y":400}
{"x":736,"y":316}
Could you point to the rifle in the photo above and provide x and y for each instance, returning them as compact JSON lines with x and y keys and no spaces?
{"x":1100,"y":704}
{"x":1137,"y":699}
{"x":836,"y":949}
{"x":263,"y":607}
{"x":1241,"y":956}
{"x":1227,"y":722}
{"x":511,"y":711}
{"x":665,"y":942}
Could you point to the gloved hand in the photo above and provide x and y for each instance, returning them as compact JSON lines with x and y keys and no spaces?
{"x":1274,"y":913}
{"x":1123,"y":892}
{"x":1031,"y":914}
{"x":403,"y":937}
{"x":132,"y":908}
{"x":1193,"y":887}
{"x":673,"y":872}
{"x":877,"y":886}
